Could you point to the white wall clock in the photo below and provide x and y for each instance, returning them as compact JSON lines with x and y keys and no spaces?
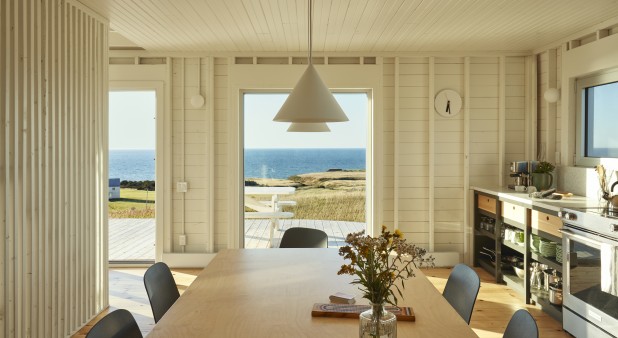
{"x":448,"y":103}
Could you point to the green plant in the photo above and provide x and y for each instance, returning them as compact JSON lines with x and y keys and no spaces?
{"x":544,"y":167}
{"x":379,"y":262}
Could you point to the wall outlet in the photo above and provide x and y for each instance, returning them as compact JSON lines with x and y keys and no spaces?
{"x":182,"y":186}
{"x":182,"y":240}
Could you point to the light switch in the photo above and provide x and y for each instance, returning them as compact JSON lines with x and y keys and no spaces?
{"x":182,"y":186}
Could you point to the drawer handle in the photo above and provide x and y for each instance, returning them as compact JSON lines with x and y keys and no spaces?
{"x":513,"y":208}
{"x":547,"y":218}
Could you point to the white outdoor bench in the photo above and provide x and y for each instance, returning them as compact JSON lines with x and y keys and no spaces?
{"x":268,"y":209}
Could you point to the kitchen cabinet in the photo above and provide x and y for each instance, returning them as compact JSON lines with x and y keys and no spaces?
{"x":510,"y":239}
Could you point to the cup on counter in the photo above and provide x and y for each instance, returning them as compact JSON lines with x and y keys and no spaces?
{"x":520,"y":188}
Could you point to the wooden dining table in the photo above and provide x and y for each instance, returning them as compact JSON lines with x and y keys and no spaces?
{"x":270,"y":293}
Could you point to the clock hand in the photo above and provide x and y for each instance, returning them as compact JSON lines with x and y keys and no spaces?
{"x":448,"y":106}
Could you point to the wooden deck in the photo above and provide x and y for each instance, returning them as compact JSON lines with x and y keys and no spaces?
{"x":133,"y":239}
{"x":257,"y":231}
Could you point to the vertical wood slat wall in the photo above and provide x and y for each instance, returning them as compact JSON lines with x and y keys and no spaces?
{"x":53,"y":167}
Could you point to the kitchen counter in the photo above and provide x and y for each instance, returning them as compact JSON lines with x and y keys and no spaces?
{"x":523,"y":198}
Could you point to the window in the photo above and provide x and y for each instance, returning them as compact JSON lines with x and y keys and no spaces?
{"x":597,"y":137}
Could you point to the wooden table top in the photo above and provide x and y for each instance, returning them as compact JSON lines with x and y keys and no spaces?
{"x":270,"y":293}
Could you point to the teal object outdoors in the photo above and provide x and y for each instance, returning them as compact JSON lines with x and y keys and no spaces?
{"x":542,"y":181}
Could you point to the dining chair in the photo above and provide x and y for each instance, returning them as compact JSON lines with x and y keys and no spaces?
{"x":521,"y":325}
{"x":304,"y":238}
{"x":117,"y":324}
{"x":461,"y":289}
{"x":161,"y":289}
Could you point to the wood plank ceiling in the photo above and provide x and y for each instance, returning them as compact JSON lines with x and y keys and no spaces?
{"x":350,"y":25}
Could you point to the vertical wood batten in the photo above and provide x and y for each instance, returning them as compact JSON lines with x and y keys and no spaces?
{"x":47,"y":174}
{"x":396,"y":146}
{"x":468,"y":225}
{"x":501,"y":120}
{"x":432,"y":167}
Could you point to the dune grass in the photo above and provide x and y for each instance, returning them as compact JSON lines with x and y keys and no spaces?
{"x":133,"y":204}
{"x":327,"y":204}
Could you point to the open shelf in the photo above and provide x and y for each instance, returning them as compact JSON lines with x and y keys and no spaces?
{"x":487,"y":266}
{"x":514,"y":282}
{"x":552,"y":263}
{"x":541,"y":297}
{"x":519,"y":248}
{"x":486,"y":213}
{"x":483,"y":232}
{"x":546,"y":235}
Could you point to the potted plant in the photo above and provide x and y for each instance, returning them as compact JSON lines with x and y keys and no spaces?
{"x":542,"y":179}
{"x":378,"y":263}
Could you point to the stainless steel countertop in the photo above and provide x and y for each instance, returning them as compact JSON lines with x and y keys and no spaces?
{"x":523,"y":198}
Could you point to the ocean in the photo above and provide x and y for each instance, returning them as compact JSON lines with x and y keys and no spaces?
{"x":283,"y":163}
{"x":139,"y":165}
{"x":132,"y":165}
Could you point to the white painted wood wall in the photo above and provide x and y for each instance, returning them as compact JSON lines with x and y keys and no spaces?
{"x":432,"y":161}
{"x":53,"y":167}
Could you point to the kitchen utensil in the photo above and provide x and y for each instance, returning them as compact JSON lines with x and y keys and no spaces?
{"x":555,"y":293}
{"x":519,"y":270}
{"x":549,"y":276}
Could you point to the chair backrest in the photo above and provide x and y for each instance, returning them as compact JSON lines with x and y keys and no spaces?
{"x":521,"y":325}
{"x":461,"y":290}
{"x":117,"y":324}
{"x":304,"y":238}
{"x":161,"y":289}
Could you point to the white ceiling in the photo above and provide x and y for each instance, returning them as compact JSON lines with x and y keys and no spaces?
{"x":351,"y":25}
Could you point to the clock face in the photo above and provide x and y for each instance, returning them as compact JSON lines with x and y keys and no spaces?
{"x":448,"y":103}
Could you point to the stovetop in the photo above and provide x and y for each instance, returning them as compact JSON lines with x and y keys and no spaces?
{"x":608,"y":212}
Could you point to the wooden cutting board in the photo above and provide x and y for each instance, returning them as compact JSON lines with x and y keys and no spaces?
{"x":403,"y":313}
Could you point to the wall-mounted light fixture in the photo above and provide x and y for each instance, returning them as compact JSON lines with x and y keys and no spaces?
{"x":551,"y":95}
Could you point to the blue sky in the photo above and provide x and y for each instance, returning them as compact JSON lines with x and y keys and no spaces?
{"x":262,"y":132}
{"x":132,"y":122}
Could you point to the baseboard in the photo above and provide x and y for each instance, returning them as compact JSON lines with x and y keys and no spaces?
{"x":445,"y":259}
{"x":187,"y":260}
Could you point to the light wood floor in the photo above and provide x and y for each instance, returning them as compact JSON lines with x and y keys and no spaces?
{"x":493,"y":309}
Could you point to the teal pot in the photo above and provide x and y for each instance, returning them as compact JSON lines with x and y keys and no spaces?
{"x":542,"y":181}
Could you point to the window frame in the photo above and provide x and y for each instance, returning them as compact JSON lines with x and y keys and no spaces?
{"x":580,"y":123}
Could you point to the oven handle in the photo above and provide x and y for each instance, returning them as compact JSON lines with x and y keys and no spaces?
{"x":597,"y":241}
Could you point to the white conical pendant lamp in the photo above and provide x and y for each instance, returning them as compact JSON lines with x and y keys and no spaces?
{"x":310,"y":100}
{"x":309,"y":128}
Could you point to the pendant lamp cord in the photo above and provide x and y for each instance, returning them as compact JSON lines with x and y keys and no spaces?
{"x":310,"y":30}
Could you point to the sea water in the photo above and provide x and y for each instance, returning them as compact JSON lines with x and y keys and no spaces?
{"x":283,"y":163}
{"x":139,"y":165}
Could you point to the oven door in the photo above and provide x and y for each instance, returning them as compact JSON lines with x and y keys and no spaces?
{"x":590,"y":278}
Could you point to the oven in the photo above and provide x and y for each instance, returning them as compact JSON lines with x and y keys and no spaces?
{"x":590,"y":276}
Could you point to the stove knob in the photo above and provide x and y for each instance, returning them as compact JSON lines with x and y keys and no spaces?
{"x":569,"y":216}
{"x":613,"y":227}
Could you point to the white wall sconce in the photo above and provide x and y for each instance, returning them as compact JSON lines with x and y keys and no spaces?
{"x":551,"y":95}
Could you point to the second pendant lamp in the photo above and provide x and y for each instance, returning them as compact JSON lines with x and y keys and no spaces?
{"x":310,"y":101}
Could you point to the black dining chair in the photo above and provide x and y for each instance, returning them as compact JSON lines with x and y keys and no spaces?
{"x":161,"y":289}
{"x":117,"y":324}
{"x":461,"y":289}
{"x":521,"y":325}
{"x":304,"y":238}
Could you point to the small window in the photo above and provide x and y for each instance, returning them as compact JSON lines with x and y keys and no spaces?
{"x":597,"y":133}
{"x":601,"y":114}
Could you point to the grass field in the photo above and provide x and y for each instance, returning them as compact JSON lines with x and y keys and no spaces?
{"x":327,"y":204}
{"x":133,"y":204}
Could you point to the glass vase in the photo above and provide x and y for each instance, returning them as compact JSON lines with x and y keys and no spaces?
{"x":377,"y":323}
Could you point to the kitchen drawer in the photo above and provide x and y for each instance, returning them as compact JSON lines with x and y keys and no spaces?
{"x":546,"y":222}
{"x":487,"y":203}
{"x":514,"y":212}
